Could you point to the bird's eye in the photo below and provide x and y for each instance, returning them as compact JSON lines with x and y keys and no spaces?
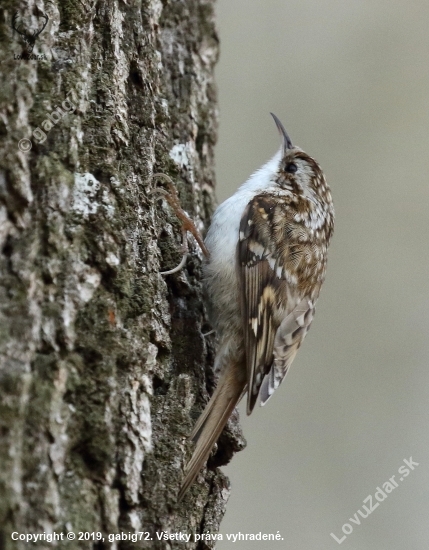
{"x":291,"y":167}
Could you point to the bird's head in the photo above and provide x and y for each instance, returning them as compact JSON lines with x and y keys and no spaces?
{"x":297,"y":171}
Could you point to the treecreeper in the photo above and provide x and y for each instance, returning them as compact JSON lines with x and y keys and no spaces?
{"x":266,"y":261}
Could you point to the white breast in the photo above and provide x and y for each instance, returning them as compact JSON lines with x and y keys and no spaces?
{"x":222,"y":236}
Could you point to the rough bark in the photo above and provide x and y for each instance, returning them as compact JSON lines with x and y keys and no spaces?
{"x":104,"y":367}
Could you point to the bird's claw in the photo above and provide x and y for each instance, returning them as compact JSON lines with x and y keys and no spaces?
{"x":187,"y":224}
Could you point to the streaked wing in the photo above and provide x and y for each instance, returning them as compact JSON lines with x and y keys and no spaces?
{"x":260,"y":288}
{"x":289,"y":337}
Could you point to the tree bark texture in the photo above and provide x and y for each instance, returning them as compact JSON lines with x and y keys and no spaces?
{"x":104,"y":366}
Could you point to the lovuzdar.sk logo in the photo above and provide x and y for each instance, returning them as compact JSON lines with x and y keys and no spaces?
{"x":29,"y":36}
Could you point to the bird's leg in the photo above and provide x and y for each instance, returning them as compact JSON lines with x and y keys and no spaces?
{"x":187,"y":224}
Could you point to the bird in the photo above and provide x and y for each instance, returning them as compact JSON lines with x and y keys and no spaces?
{"x":267,"y":254}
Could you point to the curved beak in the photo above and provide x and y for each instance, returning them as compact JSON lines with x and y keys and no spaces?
{"x":287,"y":144}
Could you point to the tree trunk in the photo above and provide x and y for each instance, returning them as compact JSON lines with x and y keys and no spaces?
{"x":104,"y":365}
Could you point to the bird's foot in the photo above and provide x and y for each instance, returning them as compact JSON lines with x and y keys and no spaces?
{"x":173,"y":200}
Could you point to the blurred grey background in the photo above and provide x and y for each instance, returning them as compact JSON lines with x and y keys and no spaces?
{"x":350,"y":81}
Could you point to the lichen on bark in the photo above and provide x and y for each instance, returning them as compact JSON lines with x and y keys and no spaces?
{"x":104,"y":366}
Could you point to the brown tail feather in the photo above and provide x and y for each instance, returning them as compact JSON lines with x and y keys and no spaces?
{"x":211,"y":423}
